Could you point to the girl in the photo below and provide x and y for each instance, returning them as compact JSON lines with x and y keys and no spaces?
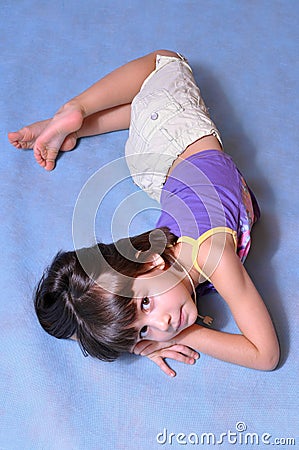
{"x":138,"y":294}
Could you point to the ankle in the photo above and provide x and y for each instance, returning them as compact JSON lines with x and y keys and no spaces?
{"x":72,"y":105}
{"x":76,"y":104}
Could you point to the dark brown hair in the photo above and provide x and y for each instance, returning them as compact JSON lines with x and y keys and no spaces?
{"x":88,"y":293}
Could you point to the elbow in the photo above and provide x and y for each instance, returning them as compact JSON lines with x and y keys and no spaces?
{"x":270,"y":360}
{"x":270,"y":363}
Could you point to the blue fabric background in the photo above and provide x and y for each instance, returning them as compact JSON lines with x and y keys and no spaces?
{"x":245,"y":58}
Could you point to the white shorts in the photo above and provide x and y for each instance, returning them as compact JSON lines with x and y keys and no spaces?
{"x":167,"y":115}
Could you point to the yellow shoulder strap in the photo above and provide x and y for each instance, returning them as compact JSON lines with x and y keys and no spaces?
{"x":196,"y":243}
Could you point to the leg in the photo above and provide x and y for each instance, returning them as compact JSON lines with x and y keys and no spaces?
{"x":119,"y":87}
{"x":116,"y":89}
{"x":113,"y":119}
{"x":117,"y":118}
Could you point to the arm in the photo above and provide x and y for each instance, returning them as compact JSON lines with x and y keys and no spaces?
{"x":257,"y":345}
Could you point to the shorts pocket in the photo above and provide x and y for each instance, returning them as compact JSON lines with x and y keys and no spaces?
{"x":152,"y":111}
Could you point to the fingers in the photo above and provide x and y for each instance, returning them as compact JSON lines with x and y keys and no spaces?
{"x":163,"y":366}
{"x":172,"y":354}
{"x":144,"y":348}
{"x":188,"y":358}
{"x":184,"y":350}
{"x":177,"y":352}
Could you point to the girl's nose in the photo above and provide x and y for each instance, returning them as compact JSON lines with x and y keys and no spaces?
{"x":162,"y":322}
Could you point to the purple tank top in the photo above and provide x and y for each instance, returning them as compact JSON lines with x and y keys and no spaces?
{"x":207,"y":191}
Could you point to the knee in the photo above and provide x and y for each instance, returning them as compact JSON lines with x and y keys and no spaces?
{"x":165,"y":53}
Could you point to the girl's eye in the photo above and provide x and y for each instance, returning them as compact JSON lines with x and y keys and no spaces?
{"x":143,"y":332}
{"x":145,"y":304}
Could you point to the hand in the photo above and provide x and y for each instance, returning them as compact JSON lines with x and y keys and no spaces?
{"x":158,"y":351}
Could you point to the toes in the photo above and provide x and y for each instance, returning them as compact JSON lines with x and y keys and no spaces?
{"x":45,"y":156}
{"x":14,"y":137}
{"x":38,"y":157}
{"x":21,"y":139}
{"x":50,"y":164}
{"x":50,"y":158}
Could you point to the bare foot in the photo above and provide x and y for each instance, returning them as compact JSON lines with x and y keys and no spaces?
{"x":25,"y":138}
{"x":50,"y":136}
{"x":67,"y":120}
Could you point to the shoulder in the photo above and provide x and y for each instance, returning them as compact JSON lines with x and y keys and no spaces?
{"x":219,"y":260}
{"x":217,"y":254}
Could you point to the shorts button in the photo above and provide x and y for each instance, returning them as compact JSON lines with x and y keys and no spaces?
{"x":154,"y":116}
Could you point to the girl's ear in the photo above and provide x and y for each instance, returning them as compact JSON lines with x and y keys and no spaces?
{"x":154,"y":260}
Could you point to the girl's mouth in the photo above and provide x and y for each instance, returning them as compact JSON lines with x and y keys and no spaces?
{"x":181,"y":320}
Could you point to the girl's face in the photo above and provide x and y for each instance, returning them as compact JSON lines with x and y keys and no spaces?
{"x":164,"y":305}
